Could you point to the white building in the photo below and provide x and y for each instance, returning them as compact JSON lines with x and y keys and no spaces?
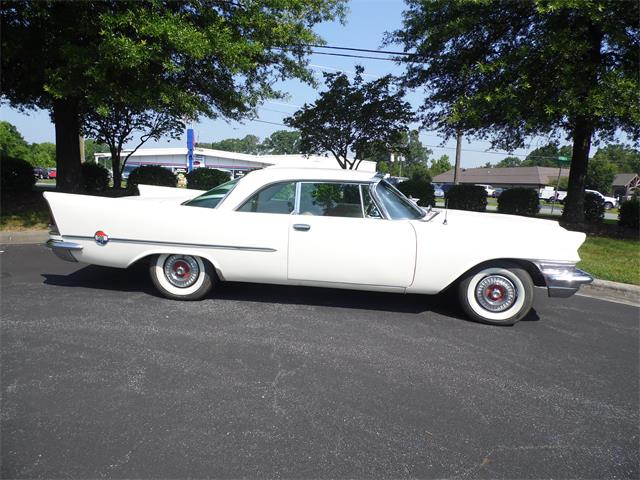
{"x":176,"y":159}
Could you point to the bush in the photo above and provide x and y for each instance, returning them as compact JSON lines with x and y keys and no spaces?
{"x":206,"y":178}
{"x":593,"y":208}
{"x":17,"y":175}
{"x":519,"y":201}
{"x":418,"y":188}
{"x":629,"y":214}
{"x":95,"y":178}
{"x":150,"y":175}
{"x":466,"y":197}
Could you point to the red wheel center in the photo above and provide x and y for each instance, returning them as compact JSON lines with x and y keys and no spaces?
{"x":495,"y":292}
{"x":181,"y":269}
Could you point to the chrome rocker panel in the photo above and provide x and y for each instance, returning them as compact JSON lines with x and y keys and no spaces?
{"x":563,"y":279}
{"x":63,"y":249}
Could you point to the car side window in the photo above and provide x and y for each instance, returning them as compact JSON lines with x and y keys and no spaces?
{"x":276,"y":198}
{"x":330,"y":199}
{"x":370,"y":208}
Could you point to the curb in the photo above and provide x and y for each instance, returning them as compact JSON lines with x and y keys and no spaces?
{"x":24,"y":237}
{"x":621,"y":287}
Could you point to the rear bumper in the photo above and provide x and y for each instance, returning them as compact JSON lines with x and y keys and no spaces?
{"x":64,"y":250}
{"x":563,"y":279}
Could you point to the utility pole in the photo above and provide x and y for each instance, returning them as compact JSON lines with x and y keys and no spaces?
{"x":456,"y":172}
{"x":81,"y":140}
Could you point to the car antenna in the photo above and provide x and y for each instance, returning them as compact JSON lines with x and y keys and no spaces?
{"x":446,"y":210}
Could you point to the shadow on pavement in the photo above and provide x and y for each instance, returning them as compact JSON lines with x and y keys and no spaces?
{"x":136,"y":279}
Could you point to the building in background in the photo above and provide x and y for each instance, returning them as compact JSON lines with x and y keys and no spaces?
{"x":508,"y":177}
{"x":177,"y":160}
{"x":625,"y":184}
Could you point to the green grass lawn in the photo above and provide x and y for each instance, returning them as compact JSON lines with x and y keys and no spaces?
{"x":611,"y":259}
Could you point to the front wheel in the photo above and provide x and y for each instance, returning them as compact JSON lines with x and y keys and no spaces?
{"x":181,"y":277}
{"x":499,"y":294}
{"x":608,"y":205}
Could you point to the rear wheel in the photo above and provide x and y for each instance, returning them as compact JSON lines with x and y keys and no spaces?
{"x":499,"y":294}
{"x":608,"y":205}
{"x":181,"y":277}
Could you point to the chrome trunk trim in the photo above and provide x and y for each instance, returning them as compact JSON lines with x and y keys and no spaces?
{"x":63,"y":249}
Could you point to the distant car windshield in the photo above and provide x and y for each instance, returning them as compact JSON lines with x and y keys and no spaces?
{"x":213,"y":197}
{"x":397,"y":205}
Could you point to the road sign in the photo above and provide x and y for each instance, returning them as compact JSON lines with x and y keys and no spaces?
{"x":563,"y":159}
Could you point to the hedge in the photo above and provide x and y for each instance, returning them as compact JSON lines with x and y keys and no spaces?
{"x":95,"y":178}
{"x":629,"y":214}
{"x":150,"y":175}
{"x":519,"y":201}
{"x":466,"y":197}
{"x":593,"y":208}
{"x":16,"y":174}
{"x":419,"y":188}
{"x":206,"y":178}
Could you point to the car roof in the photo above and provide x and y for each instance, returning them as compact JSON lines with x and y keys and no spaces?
{"x":265,"y":176}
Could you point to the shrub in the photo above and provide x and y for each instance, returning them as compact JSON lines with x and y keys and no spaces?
{"x":418,"y":188}
{"x":593,"y":208}
{"x":206,"y":178}
{"x":17,"y":175}
{"x":466,"y":197}
{"x":519,"y":201}
{"x":95,"y":178}
{"x":150,"y":175}
{"x":629,"y":214}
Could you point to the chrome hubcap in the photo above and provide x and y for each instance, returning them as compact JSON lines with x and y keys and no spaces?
{"x":496,"y":293}
{"x":181,"y":271}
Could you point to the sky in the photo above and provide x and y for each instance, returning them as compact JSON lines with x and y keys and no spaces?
{"x":366,"y":23}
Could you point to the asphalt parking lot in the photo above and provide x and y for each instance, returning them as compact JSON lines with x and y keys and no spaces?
{"x":102,"y":378}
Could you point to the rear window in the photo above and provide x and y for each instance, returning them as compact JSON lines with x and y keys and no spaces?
{"x":213,"y":197}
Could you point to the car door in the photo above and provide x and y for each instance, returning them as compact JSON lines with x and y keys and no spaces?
{"x":333,"y":239}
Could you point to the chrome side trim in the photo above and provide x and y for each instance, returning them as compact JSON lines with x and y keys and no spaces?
{"x":562,"y":279}
{"x":63,"y":250}
{"x":180,"y":244}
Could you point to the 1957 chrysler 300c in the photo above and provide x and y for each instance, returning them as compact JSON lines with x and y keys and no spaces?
{"x":329,"y":228}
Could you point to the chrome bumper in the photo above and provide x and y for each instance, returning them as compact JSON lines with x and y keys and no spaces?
{"x":63,"y":249}
{"x":563,"y":279}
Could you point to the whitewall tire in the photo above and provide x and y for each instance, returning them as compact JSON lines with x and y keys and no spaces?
{"x":499,"y":294}
{"x":181,"y":277}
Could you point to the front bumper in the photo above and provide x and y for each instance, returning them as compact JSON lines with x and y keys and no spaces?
{"x":63,"y":250}
{"x":563,"y":279}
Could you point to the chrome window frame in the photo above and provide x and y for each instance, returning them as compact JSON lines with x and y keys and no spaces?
{"x":264,"y":187}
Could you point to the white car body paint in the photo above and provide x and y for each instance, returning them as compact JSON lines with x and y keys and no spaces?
{"x":413,"y":256}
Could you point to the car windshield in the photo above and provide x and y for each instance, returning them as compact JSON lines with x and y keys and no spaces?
{"x":396,"y":204}
{"x":213,"y":197}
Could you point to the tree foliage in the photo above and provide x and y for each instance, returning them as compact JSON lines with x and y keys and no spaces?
{"x":547,"y":155}
{"x":625,"y":158}
{"x":509,"y":162}
{"x":600,"y":175}
{"x":12,"y":143}
{"x":441,"y":165}
{"x":506,"y":70}
{"x":282,"y":142}
{"x":212,"y":58}
{"x":352,"y":119}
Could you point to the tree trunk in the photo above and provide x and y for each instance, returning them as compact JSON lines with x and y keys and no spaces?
{"x":67,"y":123}
{"x":115,"y":167}
{"x":574,"y":203}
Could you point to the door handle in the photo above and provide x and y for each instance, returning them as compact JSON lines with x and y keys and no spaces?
{"x":303,"y":227}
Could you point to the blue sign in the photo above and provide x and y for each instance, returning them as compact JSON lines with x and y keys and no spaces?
{"x":189,"y":149}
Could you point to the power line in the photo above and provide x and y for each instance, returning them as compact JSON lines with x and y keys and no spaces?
{"x":351,"y":49}
{"x":352,"y":56}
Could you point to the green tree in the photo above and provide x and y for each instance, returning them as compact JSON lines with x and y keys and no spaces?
{"x":209,"y":58}
{"x":249,"y":144}
{"x":42,"y":154}
{"x":509,"y":162}
{"x":12,"y":144}
{"x":91,"y":147}
{"x":281,"y":142}
{"x":508,"y":70}
{"x":547,"y":155}
{"x":626,"y":159}
{"x":600,"y":175}
{"x":352,"y":118}
{"x":440,"y":165}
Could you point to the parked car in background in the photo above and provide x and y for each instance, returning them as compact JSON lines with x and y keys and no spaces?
{"x":304,"y":226}
{"x":609,"y":202}
{"x":437,"y":190}
{"x":41,"y":172}
{"x":488,"y":188}
{"x":497,"y":192}
{"x":549,"y":194}
{"x":53,"y":173}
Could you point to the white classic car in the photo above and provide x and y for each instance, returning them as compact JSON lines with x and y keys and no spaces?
{"x":327,"y":228}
